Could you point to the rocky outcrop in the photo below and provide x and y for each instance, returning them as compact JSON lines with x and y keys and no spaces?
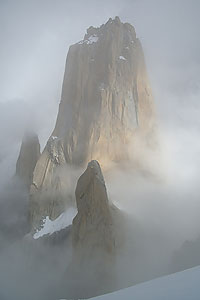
{"x":28,"y":157}
{"x":106,"y":104}
{"x":93,"y":238}
{"x":92,"y":226}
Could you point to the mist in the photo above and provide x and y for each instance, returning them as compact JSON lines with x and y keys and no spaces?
{"x":161,"y":201}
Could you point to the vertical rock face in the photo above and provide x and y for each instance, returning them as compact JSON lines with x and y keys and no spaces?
{"x":92,"y":226}
{"x":48,"y":193}
{"x":92,"y":235}
{"x":28,"y":157}
{"x":106,"y":104}
{"x":106,"y":97}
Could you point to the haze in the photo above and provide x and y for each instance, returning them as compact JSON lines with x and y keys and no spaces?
{"x":35,"y":37}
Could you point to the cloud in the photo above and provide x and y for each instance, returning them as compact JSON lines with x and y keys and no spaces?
{"x":35,"y":36}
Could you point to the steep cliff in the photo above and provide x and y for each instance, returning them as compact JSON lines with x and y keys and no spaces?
{"x":106,"y":104}
{"x":93,"y":237}
{"x":92,"y":226}
{"x":106,"y":97}
{"x":48,"y":190}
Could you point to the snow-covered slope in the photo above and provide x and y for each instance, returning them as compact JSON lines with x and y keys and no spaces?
{"x":179,"y":286}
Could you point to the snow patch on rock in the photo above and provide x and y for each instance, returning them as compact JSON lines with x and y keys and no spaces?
{"x":122,"y":57}
{"x":54,"y":137}
{"x":92,"y":39}
{"x":63,"y":221}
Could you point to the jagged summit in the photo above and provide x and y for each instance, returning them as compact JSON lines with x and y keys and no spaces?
{"x":95,"y":33}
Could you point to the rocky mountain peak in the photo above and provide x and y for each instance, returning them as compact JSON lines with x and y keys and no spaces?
{"x":114,"y":29}
{"x":106,"y":105}
{"x":93,"y":212}
{"x":93,"y":238}
{"x":106,"y":98}
{"x":110,"y":25}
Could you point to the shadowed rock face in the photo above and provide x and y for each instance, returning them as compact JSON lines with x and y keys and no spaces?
{"x":106,"y":103}
{"x":92,"y":268}
{"x":28,"y":157}
{"x":92,"y":226}
{"x":48,"y":193}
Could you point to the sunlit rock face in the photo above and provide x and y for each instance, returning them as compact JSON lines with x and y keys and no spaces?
{"x":106,"y":104}
{"x":93,"y":238}
{"x":106,"y":97}
{"x":28,"y":157}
